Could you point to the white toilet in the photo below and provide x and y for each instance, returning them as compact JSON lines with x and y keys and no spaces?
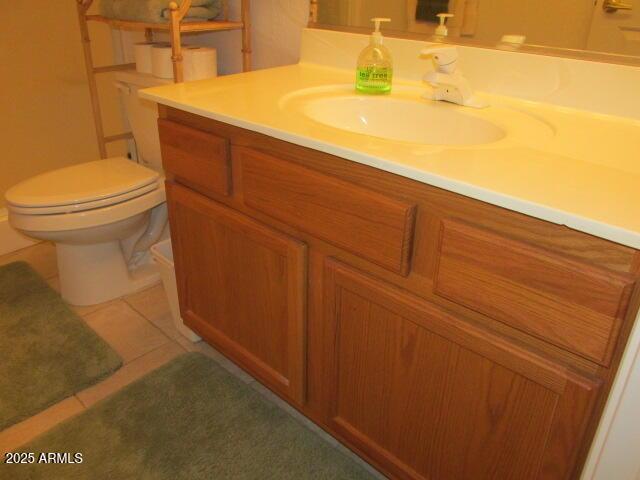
{"x":102,"y":215}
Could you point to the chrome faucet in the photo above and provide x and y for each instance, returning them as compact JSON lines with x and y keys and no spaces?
{"x":449,"y":85}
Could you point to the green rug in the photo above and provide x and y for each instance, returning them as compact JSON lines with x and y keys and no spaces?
{"x":190,"y":420}
{"x":47,"y":353}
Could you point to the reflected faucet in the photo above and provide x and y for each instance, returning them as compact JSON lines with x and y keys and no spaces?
{"x":449,"y":85}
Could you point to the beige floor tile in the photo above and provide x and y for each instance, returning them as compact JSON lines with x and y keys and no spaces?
{"x":130,"y":373}
{"x":130,"y":334}
{"x":154,"y":306}
{"x":85,"y":310}
{"x":54,"y":283}
{"x":42,"y":257}
{"x":21,"y":433}
{"x":151,"y":303}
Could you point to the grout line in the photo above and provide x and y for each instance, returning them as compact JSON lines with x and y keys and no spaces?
{"x":20,"y":251}
{"x":149,"y":351}
{"x":80,"y":400}
{"x":124,"y":299}
{"x":99,"y":308}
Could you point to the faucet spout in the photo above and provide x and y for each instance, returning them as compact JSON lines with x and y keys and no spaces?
{"x":447,"y":82}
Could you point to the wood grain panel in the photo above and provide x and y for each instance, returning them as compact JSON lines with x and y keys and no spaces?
{"x":431,"y":397}
{"x":437,"y":202}
{"x":433,"y":206}
{"x":242,"y":286}
{"x":376,"y":227}
{"x":197,"y":158}
{"x":576,"y":306}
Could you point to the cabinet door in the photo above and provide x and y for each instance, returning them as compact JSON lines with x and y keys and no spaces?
{"x":242,"y":287}
{"x":432,"y":397}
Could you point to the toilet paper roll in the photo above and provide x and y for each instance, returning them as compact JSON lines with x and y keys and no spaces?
{"x":142,"y":55}
{"x":161,"y":65}
{"x":200,"y":63}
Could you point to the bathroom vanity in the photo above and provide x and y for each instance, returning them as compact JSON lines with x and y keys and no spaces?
{"x":439,"y":336}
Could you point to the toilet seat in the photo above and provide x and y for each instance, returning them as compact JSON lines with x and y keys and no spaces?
{"x":32,"y":224}
{"x":81,"y":207}
{"x":82,"y":187}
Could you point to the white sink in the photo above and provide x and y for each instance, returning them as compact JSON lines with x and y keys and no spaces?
{"x":402,"y":120}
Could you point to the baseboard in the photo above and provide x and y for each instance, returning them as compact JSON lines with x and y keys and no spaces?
{"x":11,"y":240}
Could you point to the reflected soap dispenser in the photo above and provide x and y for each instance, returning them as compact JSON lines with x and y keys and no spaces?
{"x":375,"y":66}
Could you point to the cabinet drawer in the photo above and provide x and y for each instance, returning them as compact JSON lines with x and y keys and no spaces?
{"x":195,"y":157}
{"x":576,"y":306}
{"x":364,"y":222}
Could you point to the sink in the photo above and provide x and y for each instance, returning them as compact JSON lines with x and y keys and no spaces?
{"x":402,"y":120}
{"x":405,"y":117}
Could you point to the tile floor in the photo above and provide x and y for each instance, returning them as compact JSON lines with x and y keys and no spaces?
{"x":140,"y":328}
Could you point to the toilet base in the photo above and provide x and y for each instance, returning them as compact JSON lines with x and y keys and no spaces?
{"x":97,"y":273}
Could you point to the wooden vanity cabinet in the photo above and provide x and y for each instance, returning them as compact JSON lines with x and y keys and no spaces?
{"x":243,"y":287}
{"x":437,"y":336}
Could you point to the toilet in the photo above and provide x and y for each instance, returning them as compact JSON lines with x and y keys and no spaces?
{"x":102,"y":215}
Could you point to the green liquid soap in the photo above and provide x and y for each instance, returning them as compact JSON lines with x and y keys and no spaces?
{"x":374,"y":70}
{"x":374,"y":80}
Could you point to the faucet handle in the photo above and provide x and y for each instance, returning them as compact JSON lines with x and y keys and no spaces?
{"x":438,"y":78}
{"x":446,"y":57}
{"x":447,"y":82}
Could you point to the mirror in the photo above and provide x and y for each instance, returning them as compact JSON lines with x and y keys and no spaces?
{"x":606,"y":30}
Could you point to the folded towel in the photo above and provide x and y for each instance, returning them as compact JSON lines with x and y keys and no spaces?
{"x":154,"y":11}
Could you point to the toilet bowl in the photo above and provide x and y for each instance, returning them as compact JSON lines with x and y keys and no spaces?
{"x":102,"y":215}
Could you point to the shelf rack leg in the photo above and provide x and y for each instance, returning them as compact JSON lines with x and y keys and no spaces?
{"x":246,"y":35}
{"x":83,"y":6}
{"x":177,"y":14}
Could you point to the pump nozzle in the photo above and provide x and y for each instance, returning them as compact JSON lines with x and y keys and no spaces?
{"x":378,"y":20}
{"x":442,"y":30}
{"x":376,"y":36}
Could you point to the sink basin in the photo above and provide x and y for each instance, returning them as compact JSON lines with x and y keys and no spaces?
{"x":415,"y":121}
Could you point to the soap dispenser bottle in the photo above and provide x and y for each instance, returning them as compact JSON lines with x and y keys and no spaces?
{"x":375,"y":65}
{"x":442,"y":30}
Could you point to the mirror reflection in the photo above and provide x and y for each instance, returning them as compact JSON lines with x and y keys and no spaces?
{"x":608,"y":26}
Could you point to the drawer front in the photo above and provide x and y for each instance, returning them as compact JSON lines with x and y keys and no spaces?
{"x":367,"y":223}
{"x":576,"y":306}
{"x":197,"y":158}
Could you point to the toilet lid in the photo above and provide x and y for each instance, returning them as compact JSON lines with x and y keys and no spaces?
{"x":83,"y":183}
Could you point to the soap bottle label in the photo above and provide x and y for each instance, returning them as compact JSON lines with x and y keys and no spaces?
{"x":374,"y":79}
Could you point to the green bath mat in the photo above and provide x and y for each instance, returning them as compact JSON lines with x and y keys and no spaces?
{"x":47,"y":353}
{"x":190,"y":420}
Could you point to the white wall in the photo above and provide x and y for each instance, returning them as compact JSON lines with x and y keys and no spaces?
{"x":615,"y":453}
{"x":46,"y":120}
{"x":275,"y":33}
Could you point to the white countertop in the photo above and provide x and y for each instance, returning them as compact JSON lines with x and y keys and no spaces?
{"x":580,"y":169}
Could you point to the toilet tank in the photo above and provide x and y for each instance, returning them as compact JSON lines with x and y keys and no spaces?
{"x":142,"y":115}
